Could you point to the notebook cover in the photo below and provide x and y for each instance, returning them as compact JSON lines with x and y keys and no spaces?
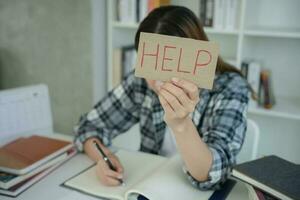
{"x":24,"y":152}
{"x":274,"y":172}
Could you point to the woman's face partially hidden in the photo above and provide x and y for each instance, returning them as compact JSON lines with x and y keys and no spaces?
{"x":154,"y":85}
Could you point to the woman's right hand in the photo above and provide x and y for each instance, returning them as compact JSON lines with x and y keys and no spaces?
{"x":106,"y":175}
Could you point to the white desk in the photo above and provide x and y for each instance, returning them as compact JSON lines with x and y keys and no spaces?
{"x":49,"y":187}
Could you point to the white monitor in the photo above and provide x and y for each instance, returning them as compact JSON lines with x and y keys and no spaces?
{"x":25,"y":111}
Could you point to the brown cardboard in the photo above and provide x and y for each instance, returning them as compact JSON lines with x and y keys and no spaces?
{"x":161,"y":57}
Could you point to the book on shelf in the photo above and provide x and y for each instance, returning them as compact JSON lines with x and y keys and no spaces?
{"x":260,"y":81}
{"x":244,"y":68}
{"x":145,"y":174}
{"x":219,"y":14}
{"x":14,"y":185}
{"x":117,"y":67}
{"x":129,"y":55}
{"x":231,"y":19}
{"x":266,"y":92}
{"x":206,"y":12}
{"x":133,"y":11}
{"x":271,"y":174}
{"x":124,"y":59}
{"x":251,"y":71}
{"x":27,"y":153}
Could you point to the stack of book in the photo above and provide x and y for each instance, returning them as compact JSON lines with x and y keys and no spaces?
{"x":260,"y":81}
{"x":219,"y":14}
{"x":133,"y":11}
{"x":256,"y":194}
{"x":270,"y":177}
{"x":25,"y":161}
{"x":124,"y":59}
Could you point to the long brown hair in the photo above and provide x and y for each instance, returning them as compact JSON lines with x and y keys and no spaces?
{"x":181,"y":22}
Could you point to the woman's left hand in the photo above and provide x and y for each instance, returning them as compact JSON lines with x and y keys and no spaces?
{"x":178,"y":99}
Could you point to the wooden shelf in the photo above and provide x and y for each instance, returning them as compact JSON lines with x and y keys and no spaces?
{"x":117,"y":24}
{"x":284,"y":108}
{"x":273,"y":32}
{"x":221,"y":31}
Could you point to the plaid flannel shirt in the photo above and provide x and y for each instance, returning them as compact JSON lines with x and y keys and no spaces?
{"x":220,"y":118}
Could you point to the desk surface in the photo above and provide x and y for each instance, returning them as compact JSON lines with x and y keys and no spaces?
{"x":49,"y":187}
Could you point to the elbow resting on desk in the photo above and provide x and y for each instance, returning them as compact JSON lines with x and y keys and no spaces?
{"x":214,"y":177}
{"x":200,"y":177}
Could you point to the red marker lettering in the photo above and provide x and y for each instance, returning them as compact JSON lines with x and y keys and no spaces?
{"x":166,"y":58}
{"x":178,"y":66}
{"x":150,"y":54}
{"x":201,"y":64}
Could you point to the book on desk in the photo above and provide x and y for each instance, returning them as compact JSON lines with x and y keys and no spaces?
{"x":271,"y":174}
{"x":26,"y":160}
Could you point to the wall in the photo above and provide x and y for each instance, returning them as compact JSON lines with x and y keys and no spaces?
{"x":49,"y":42}
{"x":99,"y":49}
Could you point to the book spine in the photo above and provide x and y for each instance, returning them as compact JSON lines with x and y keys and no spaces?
{"x":127,"y":11}
{"x":244,"y":69}
{"x":253,"y":75}
{"x":209,"y":13}
{"x":217,"y":21}
{"x":132,"y":11}
{"x":231,"y":14}
{"x":151,"y":4}
{"x":128,"y":59}
{"x":121,"y":10}
{"x":118,"y":11}
{"x":117,"y":67}
{"x":143,"y":9}
{"x":137,"y":10}
{"x":225,"y":13}
{"x":261,"y":97}
{"x":164,"y":2}
{"x":202,"y":11}
{"x":271,"y":90}
{"x":265,"y":78}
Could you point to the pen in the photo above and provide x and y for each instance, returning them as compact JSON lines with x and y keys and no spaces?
{"x":106,"y":159}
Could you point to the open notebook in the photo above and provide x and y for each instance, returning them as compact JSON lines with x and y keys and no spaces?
{"x":154,"y":177}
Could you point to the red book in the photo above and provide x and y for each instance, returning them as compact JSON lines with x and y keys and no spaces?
{"x":24,"y":154}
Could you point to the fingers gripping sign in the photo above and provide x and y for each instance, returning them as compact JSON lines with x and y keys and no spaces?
{"x":178,"y":99}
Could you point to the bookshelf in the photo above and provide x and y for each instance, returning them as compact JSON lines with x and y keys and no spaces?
{"x":267,"y":31}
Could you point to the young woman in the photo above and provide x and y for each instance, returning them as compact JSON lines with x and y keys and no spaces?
{"x":207,"y":127}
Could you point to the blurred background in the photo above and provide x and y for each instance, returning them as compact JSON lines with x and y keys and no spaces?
{"x":54,"y":42}
{"x":81,"y":49}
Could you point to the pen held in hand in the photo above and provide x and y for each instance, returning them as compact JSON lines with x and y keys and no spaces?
{"x":106,"y":159}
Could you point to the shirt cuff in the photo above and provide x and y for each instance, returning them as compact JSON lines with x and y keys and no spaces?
{"x":214,"y":174}
{"x":81,"y":138}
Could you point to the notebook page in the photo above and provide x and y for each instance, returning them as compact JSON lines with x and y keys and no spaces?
{"x":136,"y":165}
{"x":169,"y":182}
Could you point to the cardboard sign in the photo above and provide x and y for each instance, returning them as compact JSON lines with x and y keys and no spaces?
{"x":162,"y":57}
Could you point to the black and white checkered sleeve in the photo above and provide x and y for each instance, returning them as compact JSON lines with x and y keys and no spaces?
{"x":113,"y":115}
{"x":226,"y":124}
